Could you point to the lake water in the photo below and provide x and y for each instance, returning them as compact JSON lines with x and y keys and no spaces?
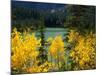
{"x":52,"y":32}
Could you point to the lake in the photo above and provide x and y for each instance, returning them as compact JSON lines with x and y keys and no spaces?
{"x":52,"y":32}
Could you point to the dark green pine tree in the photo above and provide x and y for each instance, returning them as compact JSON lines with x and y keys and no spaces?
{"x":42,"y":50}
{"x":81,"y":17}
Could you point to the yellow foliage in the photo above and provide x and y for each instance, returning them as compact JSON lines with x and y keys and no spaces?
{"x":42,"y":68}
{"x":24,"y":50}
{"x":57,"y":47}
{"x":73,"y":36}
{"x":83,"y":53}
{"x":24,"y":54}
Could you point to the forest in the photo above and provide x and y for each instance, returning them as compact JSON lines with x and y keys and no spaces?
{"x":71,"y":50}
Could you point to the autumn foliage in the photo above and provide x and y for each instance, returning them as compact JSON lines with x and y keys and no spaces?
{"x":83,"y":52}
{"x":25,"y":51}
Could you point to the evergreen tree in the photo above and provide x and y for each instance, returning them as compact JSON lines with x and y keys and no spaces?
{"x":81,"y":17}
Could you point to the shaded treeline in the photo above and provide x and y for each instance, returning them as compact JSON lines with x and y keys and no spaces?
{"x":81,"y":17}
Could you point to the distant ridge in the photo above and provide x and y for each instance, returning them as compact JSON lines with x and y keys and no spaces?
{"x":37,"y":5}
